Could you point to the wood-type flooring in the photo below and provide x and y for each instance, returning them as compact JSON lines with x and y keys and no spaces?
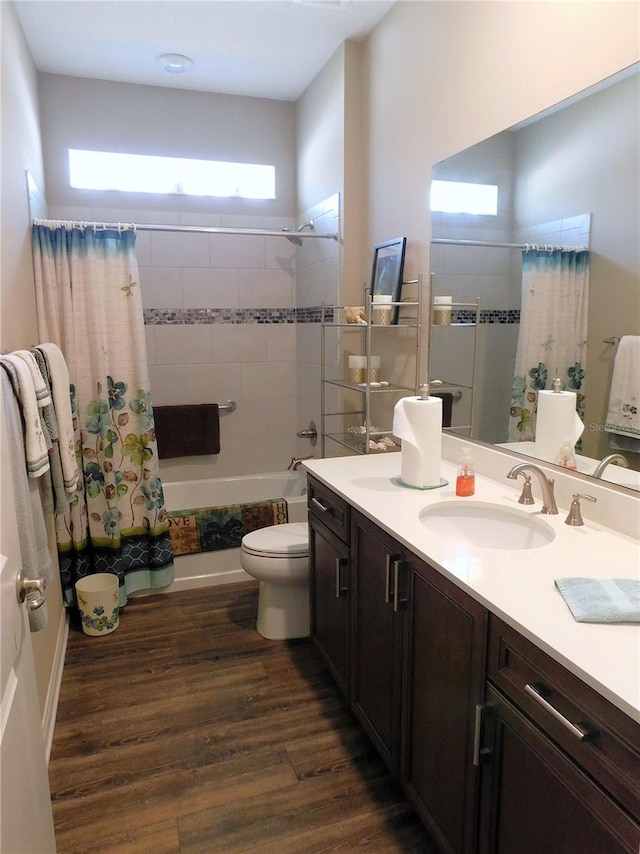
{"x":186,"y":732}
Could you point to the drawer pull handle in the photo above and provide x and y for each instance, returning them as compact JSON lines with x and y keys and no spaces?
{"x":581,"y":732}
{"x":397,"y":566}
{"x":388,"y":595}
{"x":324,"y":507}
{"x":341,"y":590}
{"x":479,"y":752}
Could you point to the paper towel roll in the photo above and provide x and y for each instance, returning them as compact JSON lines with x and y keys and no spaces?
{"x":557,"y":422}
{"x":418,"y":423}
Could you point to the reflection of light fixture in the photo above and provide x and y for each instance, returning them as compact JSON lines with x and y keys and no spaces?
{"x":175,"y":63}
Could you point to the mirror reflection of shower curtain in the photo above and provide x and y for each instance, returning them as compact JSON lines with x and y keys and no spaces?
{"x":552,"y":340}
{"x":89,"y":304}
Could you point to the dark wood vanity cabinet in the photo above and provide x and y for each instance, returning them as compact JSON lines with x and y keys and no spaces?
{"x":377,"y":636}
{"x":444,"y":686}
{"x":535,"y":800}
{"x":482,"y":728}
{"x":329,"y":572}
{"x":562,"y":769}
{"x":418,"y":647}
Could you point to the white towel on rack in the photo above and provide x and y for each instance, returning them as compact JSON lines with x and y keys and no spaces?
{"x":60,"y":385}
{"x":623,"y":416}
{"x":36,"y":450}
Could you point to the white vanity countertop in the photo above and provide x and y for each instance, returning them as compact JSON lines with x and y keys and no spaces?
{"x":516,"y":585}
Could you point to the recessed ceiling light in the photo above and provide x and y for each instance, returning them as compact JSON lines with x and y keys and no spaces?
{"x":175,"y":63}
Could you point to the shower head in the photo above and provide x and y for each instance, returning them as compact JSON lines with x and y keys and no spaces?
{"x":297,"y":240}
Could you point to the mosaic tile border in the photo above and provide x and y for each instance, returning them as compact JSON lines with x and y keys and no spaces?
{"x":204,"y":316}
{"x":487,"y":315}
{"x":312,"y":314}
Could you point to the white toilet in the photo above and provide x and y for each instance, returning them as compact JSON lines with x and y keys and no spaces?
{"x":278,"y":557}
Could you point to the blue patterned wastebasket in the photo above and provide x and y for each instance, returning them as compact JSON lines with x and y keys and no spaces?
{"x":98,"y":603}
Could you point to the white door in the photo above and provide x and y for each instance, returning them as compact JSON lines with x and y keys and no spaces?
{"x":26,"y":822}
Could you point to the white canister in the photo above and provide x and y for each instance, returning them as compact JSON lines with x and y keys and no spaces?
{"x":98,"y":603}
{"x":442,"y":310}
{"x":381,"y":310}
{"x":357,"y":369}
{"x":374,"y":363}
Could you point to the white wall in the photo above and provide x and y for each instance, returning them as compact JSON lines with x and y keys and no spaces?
{"x":105,"y":116}
{"x":21,"y":152}
{"x":443,"y":76}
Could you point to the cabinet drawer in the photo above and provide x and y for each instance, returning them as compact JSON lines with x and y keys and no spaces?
{"x":332,"y":510}
{"x":598,"y":736}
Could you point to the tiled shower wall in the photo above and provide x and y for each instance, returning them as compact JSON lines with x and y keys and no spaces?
{"x":317,"y":280}
{"x":221,"y":323}
{"x":495,"y":275}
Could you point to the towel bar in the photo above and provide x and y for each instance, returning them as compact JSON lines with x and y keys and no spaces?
{"x":229,"y":406}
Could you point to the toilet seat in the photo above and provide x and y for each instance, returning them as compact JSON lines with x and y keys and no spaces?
{"x":290,"y":540}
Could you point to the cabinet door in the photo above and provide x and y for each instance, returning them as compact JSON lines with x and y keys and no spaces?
{"x":535,"y":800}
{"x":445,"y":675}
{"x":330,"y":599}
{"x":377,"y":636}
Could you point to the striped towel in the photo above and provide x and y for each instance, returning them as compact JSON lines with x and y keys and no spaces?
{"x":602,"y":600}
{"x":35,"y":441}
{"x":39,"y":384}
{"x":32,"y":531}
{"x":60,"y":385}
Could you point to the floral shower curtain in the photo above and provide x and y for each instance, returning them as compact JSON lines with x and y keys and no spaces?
{"x":89,"y":304}
{"x":553,"y":332}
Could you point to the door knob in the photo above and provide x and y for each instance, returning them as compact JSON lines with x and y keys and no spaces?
{"x":30,"y":590}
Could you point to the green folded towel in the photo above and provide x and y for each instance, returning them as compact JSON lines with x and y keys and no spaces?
{"x":602,"y":600}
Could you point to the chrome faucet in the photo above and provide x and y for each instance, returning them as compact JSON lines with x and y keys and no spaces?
{"x":549,"y":505}
{"x":616,"y":459}
{"x":295,"y":462}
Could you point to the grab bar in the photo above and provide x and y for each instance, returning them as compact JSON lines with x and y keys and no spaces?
{"x":229,"y":406}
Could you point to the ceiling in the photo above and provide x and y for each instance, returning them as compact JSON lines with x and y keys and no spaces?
{"x":260,"y":48}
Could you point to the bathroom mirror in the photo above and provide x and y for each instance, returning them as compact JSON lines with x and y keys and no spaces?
{"x":567,"y":176}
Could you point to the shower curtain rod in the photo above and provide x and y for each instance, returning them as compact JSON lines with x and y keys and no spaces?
{"x":201,"y":229}
{"x":446,"y":241}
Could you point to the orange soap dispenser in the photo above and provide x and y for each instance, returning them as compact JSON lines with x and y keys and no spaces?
{"x":466,"y":480}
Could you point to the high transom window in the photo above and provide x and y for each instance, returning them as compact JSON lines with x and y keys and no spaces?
{"x":459,"y":197}
{"x":143,"y":173}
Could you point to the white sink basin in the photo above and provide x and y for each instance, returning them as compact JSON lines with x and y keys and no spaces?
{"x":487,"y":526}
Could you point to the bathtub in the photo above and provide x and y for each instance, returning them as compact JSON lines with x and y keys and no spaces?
{"x":223,"y":567}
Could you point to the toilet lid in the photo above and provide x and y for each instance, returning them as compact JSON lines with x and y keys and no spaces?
{"x":291,"y":539}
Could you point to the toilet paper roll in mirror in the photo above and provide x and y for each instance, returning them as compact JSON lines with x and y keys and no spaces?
{"x":557,"y":422}
{"x":418,"y":424}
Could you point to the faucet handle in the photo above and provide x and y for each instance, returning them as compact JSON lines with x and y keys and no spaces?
{"x":575,"y":516}
{"x":526,"y":496}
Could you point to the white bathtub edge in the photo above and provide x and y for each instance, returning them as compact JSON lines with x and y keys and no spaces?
{"x":234,"y":576}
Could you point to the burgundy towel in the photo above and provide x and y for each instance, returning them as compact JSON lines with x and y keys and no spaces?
{"x":447,"y":403}
{"x":187,"y":431}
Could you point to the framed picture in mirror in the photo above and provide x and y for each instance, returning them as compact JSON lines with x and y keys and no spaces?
{"x":386,"y":275}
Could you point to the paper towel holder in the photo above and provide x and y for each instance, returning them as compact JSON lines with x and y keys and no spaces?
{"x":423,"y":388}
